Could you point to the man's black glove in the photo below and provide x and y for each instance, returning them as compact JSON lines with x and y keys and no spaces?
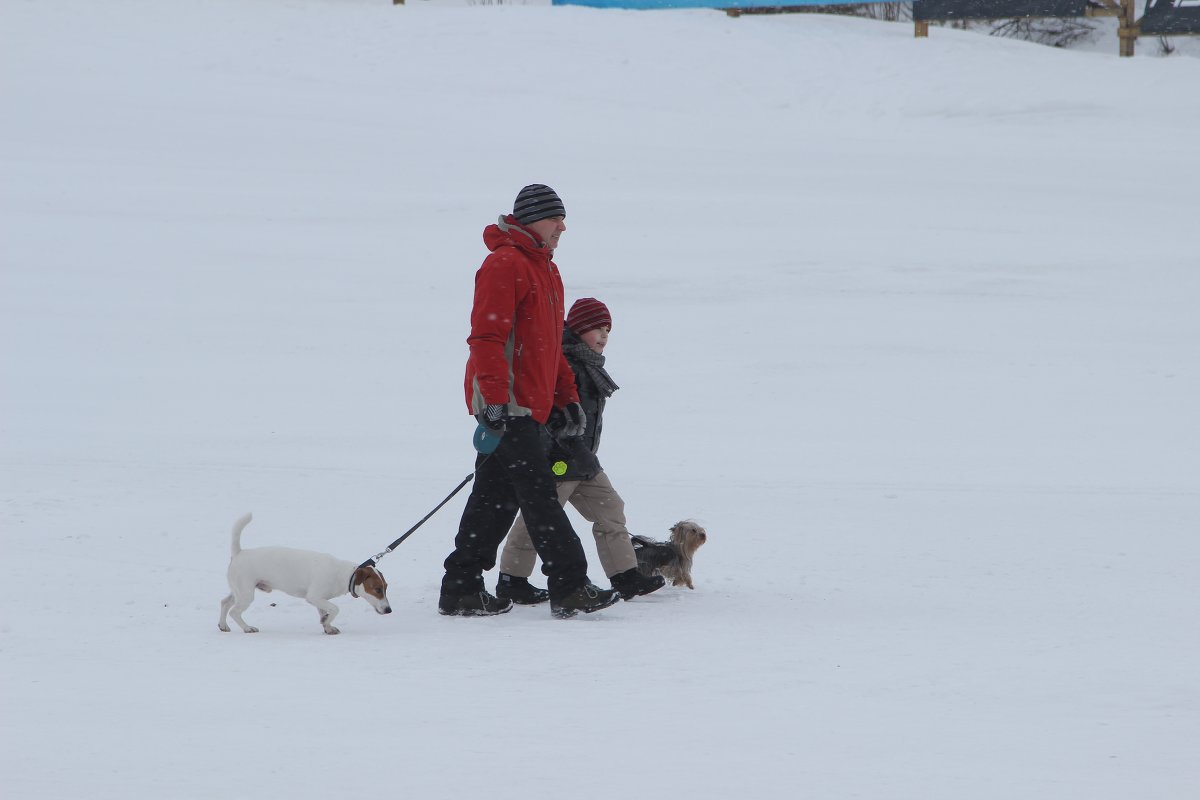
{"x":492,"y":417}
{"x":576,"y":422}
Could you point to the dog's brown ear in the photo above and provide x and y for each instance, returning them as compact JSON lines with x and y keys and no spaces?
{"x":371,"y":580}
{"x":362,"y":575}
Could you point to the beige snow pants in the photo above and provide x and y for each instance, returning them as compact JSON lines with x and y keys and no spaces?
{"x":598,"y":502}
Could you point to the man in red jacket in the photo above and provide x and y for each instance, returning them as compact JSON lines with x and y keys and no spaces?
{"x":516,"y":376}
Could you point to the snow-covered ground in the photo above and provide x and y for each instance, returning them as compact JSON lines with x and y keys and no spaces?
{"x":909,"y":325}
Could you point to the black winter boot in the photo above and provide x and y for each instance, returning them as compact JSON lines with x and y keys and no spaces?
{"x":586,"y":598}
{"x":477,"y":604}
{"x":632,"y":583}
{"x":519,"y":590}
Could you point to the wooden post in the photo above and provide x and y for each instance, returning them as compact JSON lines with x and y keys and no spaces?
{"x":1127,"y":31}
{"x":397,"y":2}
{"x":920,"y":29}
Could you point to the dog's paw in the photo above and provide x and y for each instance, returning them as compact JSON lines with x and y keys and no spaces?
{"x":332,"y":630}
{"x":222,"y":626}
{"x":251,"y":629}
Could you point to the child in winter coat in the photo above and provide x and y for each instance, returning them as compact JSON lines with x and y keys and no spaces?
{"x":581,"y":480}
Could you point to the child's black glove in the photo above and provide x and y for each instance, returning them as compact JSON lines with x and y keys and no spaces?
{"x":576,"y":422}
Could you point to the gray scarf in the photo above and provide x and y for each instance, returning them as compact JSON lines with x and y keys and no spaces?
{"x":593,"y":364}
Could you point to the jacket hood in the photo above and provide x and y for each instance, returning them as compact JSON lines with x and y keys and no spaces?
{"x":507,"y":232}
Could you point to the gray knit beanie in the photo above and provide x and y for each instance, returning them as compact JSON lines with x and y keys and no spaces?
{"x":537,"y":201}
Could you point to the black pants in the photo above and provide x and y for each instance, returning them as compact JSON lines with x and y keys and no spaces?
{"x":516,"y":477}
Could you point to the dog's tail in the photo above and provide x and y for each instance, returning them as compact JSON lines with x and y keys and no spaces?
{"x":238,"y":527}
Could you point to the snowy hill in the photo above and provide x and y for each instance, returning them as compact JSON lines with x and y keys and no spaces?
{"x":909,"y":325}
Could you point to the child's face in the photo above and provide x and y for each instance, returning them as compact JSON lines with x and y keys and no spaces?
{"x":596,"y":338}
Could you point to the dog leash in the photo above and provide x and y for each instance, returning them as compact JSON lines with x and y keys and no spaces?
{"x":371,"y":562}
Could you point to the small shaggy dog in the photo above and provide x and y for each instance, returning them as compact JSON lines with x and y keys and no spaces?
{"x":671,"y":559}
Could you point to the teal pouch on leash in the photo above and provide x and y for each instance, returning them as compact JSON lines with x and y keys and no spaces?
{"x":486,"y":440}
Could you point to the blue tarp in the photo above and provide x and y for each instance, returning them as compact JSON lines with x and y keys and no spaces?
{"x":652,"y":4}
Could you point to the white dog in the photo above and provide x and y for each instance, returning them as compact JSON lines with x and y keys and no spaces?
{"x":316,"y":577}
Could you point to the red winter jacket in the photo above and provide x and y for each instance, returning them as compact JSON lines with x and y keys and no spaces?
{"x":516,"y":327}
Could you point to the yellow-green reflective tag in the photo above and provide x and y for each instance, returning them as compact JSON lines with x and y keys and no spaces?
{"x":559,"y":468}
